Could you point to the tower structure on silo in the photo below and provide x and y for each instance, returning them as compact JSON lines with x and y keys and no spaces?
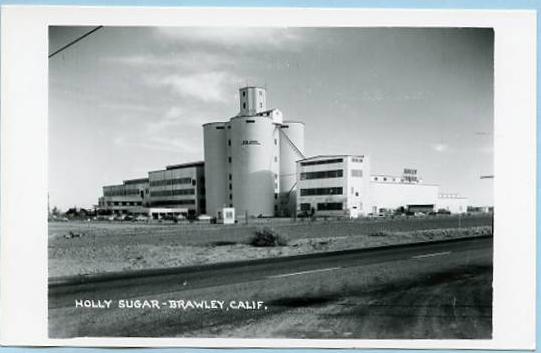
{"x":250,"y":159}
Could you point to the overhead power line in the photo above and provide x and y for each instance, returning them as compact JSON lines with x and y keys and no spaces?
{"x":75,"y":41}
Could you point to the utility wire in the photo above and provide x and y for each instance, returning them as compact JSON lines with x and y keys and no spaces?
{"x":75,"y":41}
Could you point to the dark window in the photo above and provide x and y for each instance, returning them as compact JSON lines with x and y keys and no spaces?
{"x":321,"y":191}
{"x":173,"y":202}
{"x":305,"y":207}
{"x":230,"y":197}
{"x":230,"y":186}
{"x":356,"y":194}
{"x":229,"y":142}
{"x":243,"y":105}
{"x":250,"y":121}
{"x":230,"y":176}
{"x":219,"y":127}
{"x":338,"y":173}
{"x":329,"y":206}
{"x":275,"y":141}
{"x":229,"y":159}
{"x":275,"y":196}
{"x":184,"y":192}
{"x":325,"y":161}
{"x":171,"y":181}
{"x":244,"y":93}
{"x":194,"y":182}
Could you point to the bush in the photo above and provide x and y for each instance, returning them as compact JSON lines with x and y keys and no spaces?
{"x":266,"y":237}
{"x":379,"y":234}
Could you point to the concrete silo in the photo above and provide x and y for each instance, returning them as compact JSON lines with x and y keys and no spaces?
{"x":243,"y":158}
{"x":216,"y":166}
{"x":254,"y":165}
{"x":291,"y":150}
{"x":253,"y":100}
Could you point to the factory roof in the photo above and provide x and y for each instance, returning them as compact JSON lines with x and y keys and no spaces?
{"x":135,"y":181}
{"x":321,"y":156}
{"x":185,"y":165}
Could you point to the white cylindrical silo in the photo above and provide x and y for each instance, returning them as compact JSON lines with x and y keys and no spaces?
{"x":216,"y":166}
{"x":254,"y":156}
{"x":291,"y":150}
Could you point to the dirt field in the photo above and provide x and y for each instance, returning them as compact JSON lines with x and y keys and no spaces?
{"x":106,"y":247}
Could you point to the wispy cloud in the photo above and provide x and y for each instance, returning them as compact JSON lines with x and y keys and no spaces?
{"x":262,"y":38}
{"x":163,"y":143}
{"x":207,"y":87}
{"x":175,"y":117}
{"x":440,"y":147}
{"x":184,"y":60}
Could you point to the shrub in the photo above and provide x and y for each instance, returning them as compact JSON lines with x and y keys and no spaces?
{"x":379,"y":234}
{"x":266,"y":237}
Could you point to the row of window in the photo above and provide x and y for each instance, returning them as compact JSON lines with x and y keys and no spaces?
{"x":321,"y":191}
{"x":173,"y":192}
{"x":323,"y":206}
{"x":356,"y":160}
{"x":338,"y":173}
{"x":172,"y":181}
{"x":121,"y":192}
{"x":173,"y":202}
{"x":325,"y":161}
{"x":119,"y":203}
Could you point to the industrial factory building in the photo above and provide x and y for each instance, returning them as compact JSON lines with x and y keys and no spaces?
{"x":250,"y":159}
{"x":334,"y":185}
{"x":128,"y":197}
{"x":254,"y":163}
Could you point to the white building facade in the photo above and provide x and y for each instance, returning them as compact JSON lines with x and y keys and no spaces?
{"x":337,"y":185}
{"x":453,"y":203}
{"x":390,"y":193}
{"x":250,"y":159}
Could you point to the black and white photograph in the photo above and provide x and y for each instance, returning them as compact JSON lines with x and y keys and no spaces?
{"x":262,"y":182}
{"x":270,"y":182}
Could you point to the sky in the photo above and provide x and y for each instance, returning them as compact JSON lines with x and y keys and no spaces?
{"x":127,"y":100}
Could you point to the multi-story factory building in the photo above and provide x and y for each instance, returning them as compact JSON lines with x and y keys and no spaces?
{"x":180,"y":186}
{"x":334,"y":185}
{"x":250,"y":159}
{"x":128,"y":197}
{"x":254,"y":162}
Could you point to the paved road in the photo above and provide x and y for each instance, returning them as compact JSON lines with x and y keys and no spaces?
{"x":435,"y":290}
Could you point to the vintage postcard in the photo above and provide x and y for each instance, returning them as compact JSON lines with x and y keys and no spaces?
{"x":275,"y":177}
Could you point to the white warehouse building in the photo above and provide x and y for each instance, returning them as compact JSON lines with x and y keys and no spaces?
{"x":342,"y":185}
{"x":250,"y":159}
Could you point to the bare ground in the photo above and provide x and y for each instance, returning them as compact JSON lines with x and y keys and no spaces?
{"x":112,"y":247}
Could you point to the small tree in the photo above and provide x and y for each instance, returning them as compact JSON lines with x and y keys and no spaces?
{"x":56,"y":211}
